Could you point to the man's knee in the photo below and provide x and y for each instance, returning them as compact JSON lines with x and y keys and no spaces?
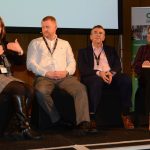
{"x":125,"y":80}
{"x":79,"y":88}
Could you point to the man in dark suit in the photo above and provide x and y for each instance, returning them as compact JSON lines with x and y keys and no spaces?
{"x":100,"y":66}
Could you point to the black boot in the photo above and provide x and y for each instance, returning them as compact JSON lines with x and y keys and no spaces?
{"x":21,"y":129}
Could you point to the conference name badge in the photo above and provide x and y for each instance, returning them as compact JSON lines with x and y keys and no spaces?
{"x":3,"y":70}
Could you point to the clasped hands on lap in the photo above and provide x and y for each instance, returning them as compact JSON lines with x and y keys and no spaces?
{"x":106,"y":76}
{"x":56,"y":74}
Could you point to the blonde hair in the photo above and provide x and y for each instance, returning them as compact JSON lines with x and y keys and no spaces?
{"x":49,"y":18}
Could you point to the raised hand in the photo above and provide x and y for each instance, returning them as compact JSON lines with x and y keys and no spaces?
{"x":15,"y":46}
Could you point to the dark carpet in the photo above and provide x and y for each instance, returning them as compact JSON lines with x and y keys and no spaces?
{"x":63,"y":137}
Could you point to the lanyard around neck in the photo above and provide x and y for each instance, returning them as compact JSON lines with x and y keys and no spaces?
{"x":97,"y":58}
{"x":51,"y":51}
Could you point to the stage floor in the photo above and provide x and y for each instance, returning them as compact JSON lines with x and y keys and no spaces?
{"x":106,"y":139}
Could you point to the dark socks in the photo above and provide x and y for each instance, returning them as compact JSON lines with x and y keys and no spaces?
{"x":92,"y":116}
{"x":126,"y":111}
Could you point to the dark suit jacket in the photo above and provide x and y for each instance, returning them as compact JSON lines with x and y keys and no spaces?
{"x":86,"y":60}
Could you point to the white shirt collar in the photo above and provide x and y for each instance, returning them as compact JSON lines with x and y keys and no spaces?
{"x":94,"y":48}
{"x":51,"y":40}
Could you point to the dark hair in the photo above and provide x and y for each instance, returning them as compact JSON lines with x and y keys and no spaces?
{"x":3,"y":31}
{"x":98,"y":26}
{"x":49,"y":18}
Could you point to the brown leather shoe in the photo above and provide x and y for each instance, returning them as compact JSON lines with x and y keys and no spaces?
{"x":81,"y":129}
{"x":86,"y":128}
{"x":127,"y":122}
{"x":93,"y":127}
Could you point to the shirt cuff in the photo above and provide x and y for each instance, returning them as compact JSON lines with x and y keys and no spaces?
{"x":97,"y":73}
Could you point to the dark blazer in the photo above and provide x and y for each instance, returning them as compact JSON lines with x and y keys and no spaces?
{"x":86,"y":60}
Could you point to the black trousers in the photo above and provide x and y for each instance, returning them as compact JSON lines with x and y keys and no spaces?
{"x":7,"y":109}
{"x":144,"y":83}
{"x":95,"y":86}
{"x":6,"y":112}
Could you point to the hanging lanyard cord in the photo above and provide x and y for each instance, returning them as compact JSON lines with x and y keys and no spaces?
{"x":97,"y":57}
{"x":51,"y":51}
